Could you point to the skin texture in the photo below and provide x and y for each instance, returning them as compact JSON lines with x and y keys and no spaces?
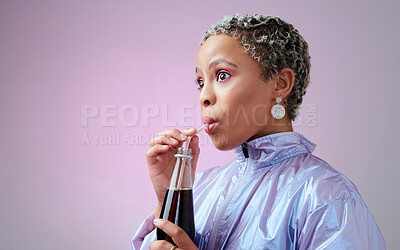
{"x":234,"y":96}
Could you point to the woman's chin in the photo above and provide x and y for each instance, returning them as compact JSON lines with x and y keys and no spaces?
{"x":221,"y":142}
{"x":222,"y":147}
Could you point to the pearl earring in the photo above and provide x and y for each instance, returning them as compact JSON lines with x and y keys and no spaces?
{"x":278,"y":111}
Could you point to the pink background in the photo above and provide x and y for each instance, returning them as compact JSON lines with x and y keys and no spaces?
{"x":59,"y":57}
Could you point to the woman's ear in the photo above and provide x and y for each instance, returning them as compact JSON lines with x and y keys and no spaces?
{"x":284,"y":81}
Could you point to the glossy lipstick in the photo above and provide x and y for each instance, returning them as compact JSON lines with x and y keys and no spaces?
{"x":212,"y":124}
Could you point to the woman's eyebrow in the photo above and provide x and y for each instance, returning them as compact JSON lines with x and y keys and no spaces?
{"x":215,"y":63}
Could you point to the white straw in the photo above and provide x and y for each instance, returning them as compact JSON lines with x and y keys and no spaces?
{"x":190,"y":137}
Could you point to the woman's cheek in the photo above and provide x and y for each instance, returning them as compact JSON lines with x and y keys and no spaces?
{"x":259,"y":115}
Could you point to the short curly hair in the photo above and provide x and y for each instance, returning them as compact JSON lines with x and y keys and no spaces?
{"x":274,"y":44}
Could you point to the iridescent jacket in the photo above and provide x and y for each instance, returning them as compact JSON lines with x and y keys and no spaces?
{"x":276,"y":195}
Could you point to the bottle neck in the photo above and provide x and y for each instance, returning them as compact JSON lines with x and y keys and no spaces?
{"x":182,"y":174}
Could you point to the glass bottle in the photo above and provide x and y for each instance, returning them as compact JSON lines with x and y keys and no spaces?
{"x":178,"y":201}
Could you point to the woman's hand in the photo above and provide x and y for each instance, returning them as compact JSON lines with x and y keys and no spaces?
{"x":177,"y":234}
{"x":161,"y":160}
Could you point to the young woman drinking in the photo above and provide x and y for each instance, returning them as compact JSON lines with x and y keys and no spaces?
{"x":252,"y":72}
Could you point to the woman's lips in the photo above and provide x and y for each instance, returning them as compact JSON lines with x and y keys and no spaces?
{"x":210,"y":127}
{"x":211,"y":124}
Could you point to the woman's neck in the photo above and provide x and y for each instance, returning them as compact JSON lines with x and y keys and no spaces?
{"x":276,"y":126}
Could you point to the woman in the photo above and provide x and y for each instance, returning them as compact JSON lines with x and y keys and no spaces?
{"x":252,"y":72}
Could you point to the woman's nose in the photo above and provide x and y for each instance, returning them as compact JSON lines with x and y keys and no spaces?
{"x":207,"y":95}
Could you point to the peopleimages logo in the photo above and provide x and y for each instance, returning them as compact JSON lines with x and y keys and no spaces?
{"x":129,"y":115}
{"x":111,"y":119}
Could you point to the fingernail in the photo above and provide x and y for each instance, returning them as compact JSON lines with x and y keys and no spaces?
{"x":157,"y":221}
{"x":182,"y":136}
{"x":173,"y":140}
{"x":164,"y":146}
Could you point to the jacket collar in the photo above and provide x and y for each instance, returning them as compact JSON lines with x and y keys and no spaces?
{"x":275,"y":148}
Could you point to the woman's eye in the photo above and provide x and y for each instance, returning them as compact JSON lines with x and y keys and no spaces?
{"x":222,"y":76}
{"x":200,"y":83}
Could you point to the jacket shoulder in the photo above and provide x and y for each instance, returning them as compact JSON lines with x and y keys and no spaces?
{"x":324,"y":183}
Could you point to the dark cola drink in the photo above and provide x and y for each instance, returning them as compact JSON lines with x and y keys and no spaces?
{"x":178,"y":208}
{"x":178,"y":201}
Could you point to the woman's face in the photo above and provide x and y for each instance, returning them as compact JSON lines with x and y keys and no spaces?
{"x":234,"y":99}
